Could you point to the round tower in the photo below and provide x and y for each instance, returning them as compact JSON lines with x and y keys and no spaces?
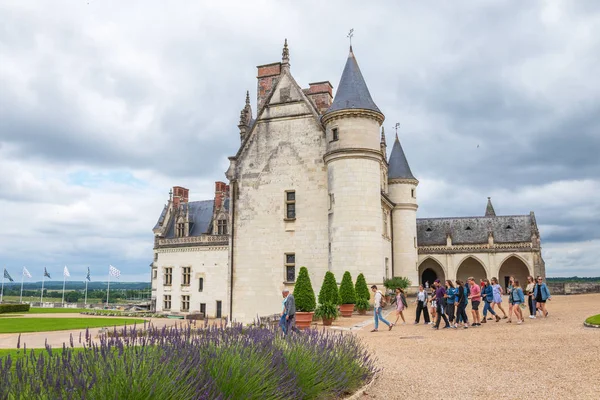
{"x":353,"y":160}
{"x":402,"y":187}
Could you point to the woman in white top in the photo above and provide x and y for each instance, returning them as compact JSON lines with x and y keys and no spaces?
{"x":422,"y":305}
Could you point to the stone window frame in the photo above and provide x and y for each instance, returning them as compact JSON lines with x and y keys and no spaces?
{"x":335,"y":134}
{"x":287,"y":265}
{"x":154,"y":273}
{"x":331,"y":201}
{"x":290,"y":205}
{"x":221,"y":227}
{"x":185,"y":303}
{"x":168,"y":276}
{"x":413,"y":193}
{"x":186,"y":276}
{"x":201,"y":284}
{"x":180,"y":229}
{"x":166,"y":302}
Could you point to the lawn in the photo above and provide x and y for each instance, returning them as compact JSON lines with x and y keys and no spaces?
{"x":22,"y":325}
{"x":595,"y":320}
{"x":37,"y":310}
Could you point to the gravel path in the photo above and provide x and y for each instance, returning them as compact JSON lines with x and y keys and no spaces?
{"x":553,"y":358}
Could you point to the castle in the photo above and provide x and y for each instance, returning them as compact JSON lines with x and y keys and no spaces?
{"x":311,"y":185}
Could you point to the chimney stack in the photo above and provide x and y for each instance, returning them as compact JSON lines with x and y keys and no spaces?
{"x":180,"y":195}
{"x":321,"y":93}
{"x":221,"y":192}
{"x":268,"y":76}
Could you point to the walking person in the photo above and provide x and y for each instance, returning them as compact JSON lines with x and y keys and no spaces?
{"x":440,"y":293}
{"x":433,"y":303}
{"x":518,"y":299}
{"x":488,"y":296}
{"x":290,"y":311}
{"x":400,"y":306}
{"x":541,"y":294}
{"x":498,"y":292}
{"x":282,"y":320}
{"x":475,"y":297}
{"x":530,"y":297}
{"x":511,"y":302}
{"x":377,"y":310}
{"x":461,"y":304}
{"x":422,"y":306}
{"x":449,"y":298}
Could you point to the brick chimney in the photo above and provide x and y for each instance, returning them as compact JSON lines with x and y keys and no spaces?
{"x":180,"y":195}
{"x":321,"y":93}
{"x":268,"y":76}
{"x":221,"y":192}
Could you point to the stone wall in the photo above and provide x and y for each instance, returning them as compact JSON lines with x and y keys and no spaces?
{"x":573,"y":287}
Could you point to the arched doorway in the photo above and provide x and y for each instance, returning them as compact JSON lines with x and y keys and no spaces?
{"x":513,"y":266}
{"x":430,"y":270}
{"x":470,"y":266}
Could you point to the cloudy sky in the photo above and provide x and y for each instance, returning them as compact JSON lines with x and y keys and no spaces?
{"x":104,"y":105}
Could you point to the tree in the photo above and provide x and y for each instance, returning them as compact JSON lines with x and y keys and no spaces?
{"x":329,"y":291}
{"x":362,"y":290}
{"x":347,"y":292}
{"x":304,"y":293}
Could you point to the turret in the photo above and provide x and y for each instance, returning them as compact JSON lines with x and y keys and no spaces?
{"x":403,"y":192}
{"x":353,"y":160}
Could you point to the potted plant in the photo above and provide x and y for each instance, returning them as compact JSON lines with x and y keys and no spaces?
{"x":329,"y":299}
{"x":347,"y":295}
{"x":305,"y":299}
{"x":328,"y":312}
{"x":363,"y":295}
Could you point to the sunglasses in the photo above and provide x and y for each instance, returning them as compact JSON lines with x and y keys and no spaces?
{"x":540,"y":280}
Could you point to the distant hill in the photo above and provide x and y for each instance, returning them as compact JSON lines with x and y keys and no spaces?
{"x":78,"y":285}
{"x":573,"y":279}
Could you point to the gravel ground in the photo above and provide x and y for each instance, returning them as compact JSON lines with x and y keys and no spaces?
{"x":553,"y":358}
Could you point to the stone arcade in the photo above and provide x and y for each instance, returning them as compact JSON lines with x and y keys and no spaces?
{"x":311,"y":186}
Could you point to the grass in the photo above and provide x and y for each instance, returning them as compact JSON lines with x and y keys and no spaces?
{"x":37,"y":310}
{"x":595,"y":320}
{"x":22,"y":325}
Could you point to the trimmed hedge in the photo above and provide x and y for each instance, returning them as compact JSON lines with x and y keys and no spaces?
{"x":329,"y":291}
{"x":8,"y":308}
{"x":347,"y":292}
{"x":304,"y":293}
{"x":361,"y":288}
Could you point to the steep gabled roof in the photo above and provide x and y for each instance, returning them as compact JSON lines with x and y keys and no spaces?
{"x":201,"y":213}
{"x":398,"y":165}
{"x":352,"y":92}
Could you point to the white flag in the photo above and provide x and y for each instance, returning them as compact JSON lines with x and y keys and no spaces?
{"x":26,"y":273}
{"x":112,"y":271}
{"x":66,"y":272}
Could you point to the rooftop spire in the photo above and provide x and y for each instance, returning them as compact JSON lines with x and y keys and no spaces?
{"x":383,"y":135}
{"x":398,"y":165}
{"x":489,"y":210}
{"x":352,"y":92}
{"x":247,"y":98}
{"x":285,"y":55}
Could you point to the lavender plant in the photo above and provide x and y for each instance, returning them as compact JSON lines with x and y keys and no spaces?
{"x":185,"y":362}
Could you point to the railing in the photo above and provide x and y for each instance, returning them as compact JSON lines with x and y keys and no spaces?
{"x":204,"y":240}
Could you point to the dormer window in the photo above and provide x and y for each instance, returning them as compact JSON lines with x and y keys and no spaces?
{"x":222,"y":227}
{"x":428,"y":230}
{"x":508,"y":227}
{"x":468,"y":228}
{"x":180,"y":229}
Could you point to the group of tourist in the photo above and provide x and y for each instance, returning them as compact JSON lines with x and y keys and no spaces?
{"x":449,"y":302}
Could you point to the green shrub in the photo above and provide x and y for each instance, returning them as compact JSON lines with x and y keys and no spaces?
{"x":397,"y":282}
{"x":304,"y":293}
{"x":595,"y":320}
{"x":327,"y":310}
{"x":347,"y":292}
{"x":362,"y":290}
{"x":329,"y":291}
{"x":9,"y":308}
{"x":362,"y":304}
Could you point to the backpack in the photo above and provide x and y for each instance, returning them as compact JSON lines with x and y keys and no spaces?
{"x":382,"y":303}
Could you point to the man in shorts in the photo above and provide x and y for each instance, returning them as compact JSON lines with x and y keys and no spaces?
{"x":475,"y":297}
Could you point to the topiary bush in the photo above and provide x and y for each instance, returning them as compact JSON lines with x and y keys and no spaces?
{"x":304,"y":293}
{"x":9,"y":308}
{"x":347,"y":292}
{"x":329,"y":291}
{"x":361,"y":288}
{"x":396,"y":282}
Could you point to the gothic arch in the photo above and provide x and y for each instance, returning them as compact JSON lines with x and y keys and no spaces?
{"x":431,"y":269}
{"x":471,"y":266}
{"x":514,"y":265}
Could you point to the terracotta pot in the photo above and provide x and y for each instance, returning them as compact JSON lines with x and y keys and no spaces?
{"x":303,"y":319}
{"x":327,"y":321}
{"x":346,"y":310}
{"x":362,"y":312}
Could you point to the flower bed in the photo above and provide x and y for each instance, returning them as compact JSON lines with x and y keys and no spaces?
{"x":184,"y":363}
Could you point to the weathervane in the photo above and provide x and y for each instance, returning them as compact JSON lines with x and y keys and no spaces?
{"x":349,"y":36}
{"x":397,"y":126}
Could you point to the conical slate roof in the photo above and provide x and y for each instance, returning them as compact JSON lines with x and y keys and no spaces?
{"x":398,"y":166}
{"x":352,"y":92}
{"x":489,"y":210}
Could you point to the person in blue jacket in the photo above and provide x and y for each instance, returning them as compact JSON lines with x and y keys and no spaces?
{"x":487,"y":292}
{"x":541,"y":293}
{"x":450,"y":297}
{"x":518,"y":299}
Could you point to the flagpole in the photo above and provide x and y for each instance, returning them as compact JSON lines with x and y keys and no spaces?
{"x":85,"y":302}
{"x":64,"y":280}
{"x":2,"y":292}
{"x":22,"y":277}
{"x":42,"y":295}
{"x":108,"y":288}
